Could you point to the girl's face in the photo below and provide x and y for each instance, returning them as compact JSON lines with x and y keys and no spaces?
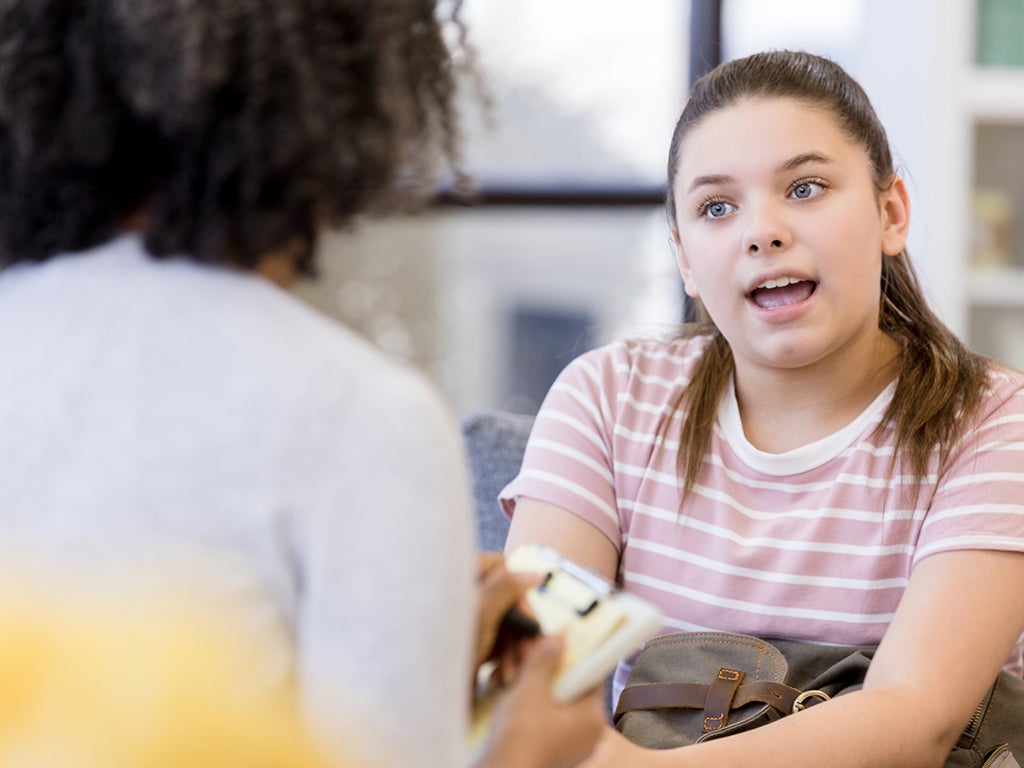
{"x":781,"y":232}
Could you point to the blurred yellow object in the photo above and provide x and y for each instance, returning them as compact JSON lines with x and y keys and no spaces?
{"x":85,"y":686}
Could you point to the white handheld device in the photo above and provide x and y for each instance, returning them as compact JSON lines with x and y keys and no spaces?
{"x":599,"y":624}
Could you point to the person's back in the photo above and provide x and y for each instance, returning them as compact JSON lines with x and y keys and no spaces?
{"x":170,"y":419}
{"x":246,"y":450}
{"x":174,"y":426}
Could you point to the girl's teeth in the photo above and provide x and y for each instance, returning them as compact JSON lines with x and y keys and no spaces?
{"x":778,"y":283}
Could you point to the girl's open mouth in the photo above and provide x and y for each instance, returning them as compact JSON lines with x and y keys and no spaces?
{"x":783,"y":292}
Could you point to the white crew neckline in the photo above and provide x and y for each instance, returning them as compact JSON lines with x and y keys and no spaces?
{"x":806,"y":457}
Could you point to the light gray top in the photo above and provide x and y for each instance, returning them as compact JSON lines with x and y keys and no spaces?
{"x":165,"y":424}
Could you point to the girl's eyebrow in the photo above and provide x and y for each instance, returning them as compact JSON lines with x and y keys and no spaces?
{"x":791,"y":164}
{"x":708,"y":181}
{"x":803,"y":159}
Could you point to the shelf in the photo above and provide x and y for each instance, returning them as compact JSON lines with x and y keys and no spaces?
{"x":996,"y":287}
{"x":995,"y":94}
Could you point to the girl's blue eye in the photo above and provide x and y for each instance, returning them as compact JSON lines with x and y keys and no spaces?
{"x":807,"y":189}
{"x":717,"y":210}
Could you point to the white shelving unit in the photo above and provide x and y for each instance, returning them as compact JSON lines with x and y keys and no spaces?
{"x":996,"y":288}
{"x":994,"y":101}
{"x":995,"y":95}
{"x":955,"y":126}
{"x":990,"y":144}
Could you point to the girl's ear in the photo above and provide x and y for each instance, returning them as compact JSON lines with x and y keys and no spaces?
{"x":684,"y":266}
{"x":895,"y":217}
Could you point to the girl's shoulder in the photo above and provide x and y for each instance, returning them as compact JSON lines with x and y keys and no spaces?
{"x":1005,"y":391}
{"x":673,"y":359}
{"x":1004,"y":379}
{"x":641,"y":374}
{"x":999,"y":414}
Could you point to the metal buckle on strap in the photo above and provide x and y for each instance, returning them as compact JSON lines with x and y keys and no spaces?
{"x":799,"y":702}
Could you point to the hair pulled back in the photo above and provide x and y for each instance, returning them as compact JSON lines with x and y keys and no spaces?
{"x":940,"y":381}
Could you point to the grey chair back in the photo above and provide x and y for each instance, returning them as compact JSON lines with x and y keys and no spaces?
{"x":495,"y":442}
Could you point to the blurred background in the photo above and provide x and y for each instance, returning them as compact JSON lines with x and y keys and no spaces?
{"x":567,"y":245}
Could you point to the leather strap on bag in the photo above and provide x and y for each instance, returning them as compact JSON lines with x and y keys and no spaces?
{"x":699,"y":696}
{"x":721,"y":693}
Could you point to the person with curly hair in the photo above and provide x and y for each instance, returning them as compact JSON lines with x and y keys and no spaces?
{"x":171,"y":421}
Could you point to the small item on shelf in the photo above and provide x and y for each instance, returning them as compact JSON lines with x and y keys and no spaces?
{"x":992,"y":228}
{"x":1000,"y":33}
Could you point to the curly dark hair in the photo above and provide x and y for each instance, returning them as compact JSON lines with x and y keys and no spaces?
{"x":236,"y":125}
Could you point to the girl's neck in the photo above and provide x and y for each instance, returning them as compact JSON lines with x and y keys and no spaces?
{"x":783,"y":409}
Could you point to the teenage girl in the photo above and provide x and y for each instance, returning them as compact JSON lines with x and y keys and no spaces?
{"x":821,"y":459}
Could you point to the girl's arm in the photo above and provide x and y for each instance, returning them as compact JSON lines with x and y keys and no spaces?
{"x":961,"y":614}
{"x":538,"y":522}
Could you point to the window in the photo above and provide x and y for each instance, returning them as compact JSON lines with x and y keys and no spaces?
{"x":585,"y":94}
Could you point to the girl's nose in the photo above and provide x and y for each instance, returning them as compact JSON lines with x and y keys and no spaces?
{"x":754,"y":247}
{"x":766,"y":231}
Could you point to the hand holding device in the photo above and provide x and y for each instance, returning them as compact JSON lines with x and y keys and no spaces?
{"x":598,"y":625}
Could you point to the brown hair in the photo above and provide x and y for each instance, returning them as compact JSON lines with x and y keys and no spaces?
{"x":940,"y":381}
{"x":238,"y":126}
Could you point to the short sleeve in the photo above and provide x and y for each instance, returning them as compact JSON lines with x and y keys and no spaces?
{"x":569,"y":459}
{"x":979,"y":499}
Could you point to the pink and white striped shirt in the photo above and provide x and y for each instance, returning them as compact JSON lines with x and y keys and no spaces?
{"x":812,"y":544}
